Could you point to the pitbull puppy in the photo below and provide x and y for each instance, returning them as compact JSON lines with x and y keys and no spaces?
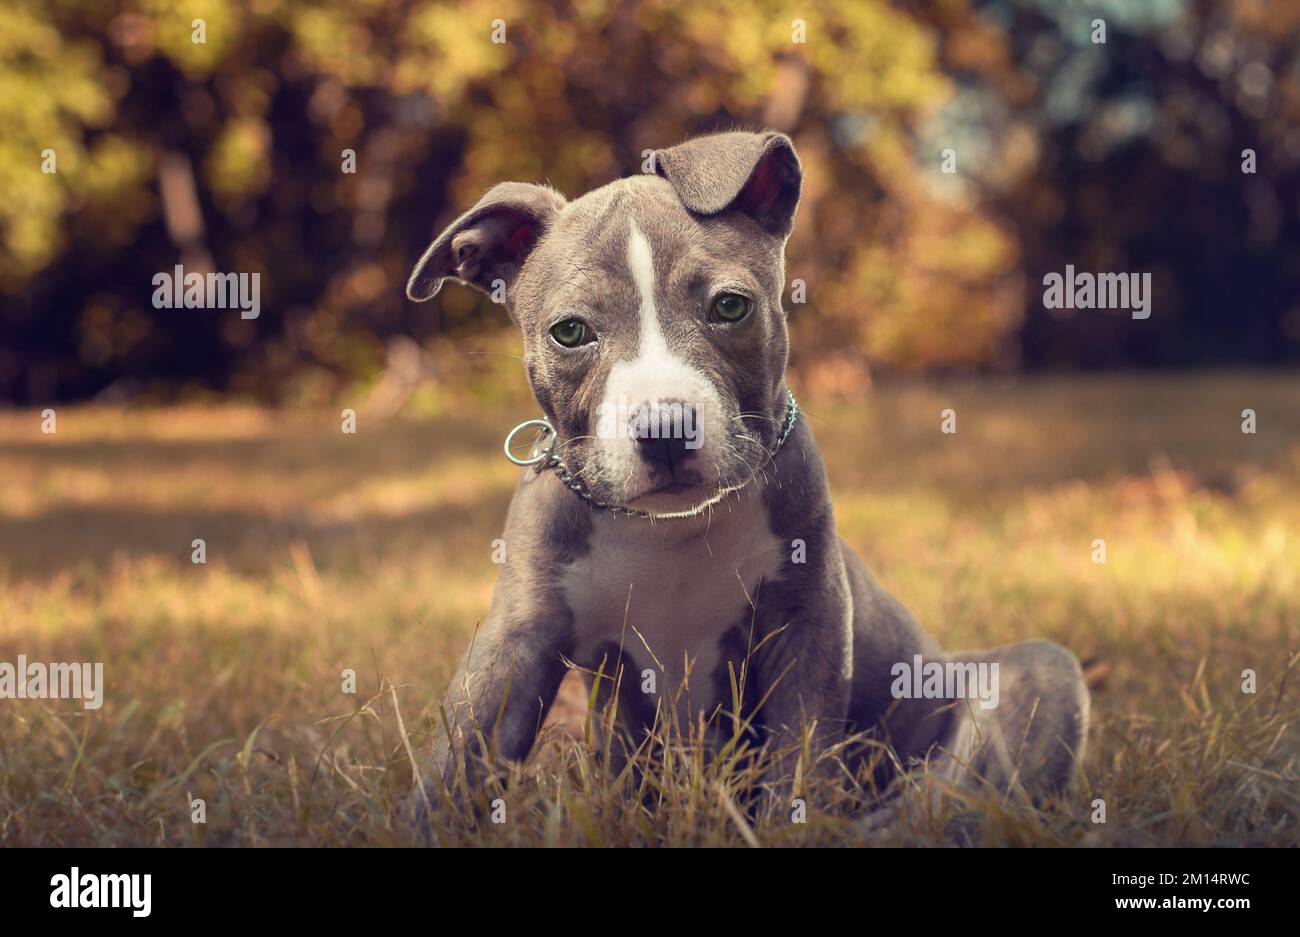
{"x":675,"y":540}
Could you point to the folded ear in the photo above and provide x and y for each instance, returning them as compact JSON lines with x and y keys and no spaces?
{"x":754,"y":173}
{"x":489,"y":242}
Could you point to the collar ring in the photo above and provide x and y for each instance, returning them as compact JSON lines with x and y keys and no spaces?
{"x":544,"y":428}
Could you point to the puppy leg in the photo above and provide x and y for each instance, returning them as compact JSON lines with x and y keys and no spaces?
{"x":806,"y":681}
{"x":496,"y":702}
{"x":1028,"y":746}
{"x":1032,"y":741}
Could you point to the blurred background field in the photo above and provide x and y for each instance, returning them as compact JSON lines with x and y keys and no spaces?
{"x":373,"y":552}
{"x":923,"y":292}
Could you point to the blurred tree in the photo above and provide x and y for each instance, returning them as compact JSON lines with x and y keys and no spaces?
{"x":231,"y":154}
{"x":1129,"y":156}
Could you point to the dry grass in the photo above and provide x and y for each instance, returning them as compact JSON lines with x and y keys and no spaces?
{"x":372,"y":552}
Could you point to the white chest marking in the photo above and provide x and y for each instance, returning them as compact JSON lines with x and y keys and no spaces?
{"x":681,"y":591}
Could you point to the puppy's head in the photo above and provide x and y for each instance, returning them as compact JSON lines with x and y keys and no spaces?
{"x":654,"y":336}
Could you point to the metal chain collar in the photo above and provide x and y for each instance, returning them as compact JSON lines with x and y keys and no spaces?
{"x":549,"y":458}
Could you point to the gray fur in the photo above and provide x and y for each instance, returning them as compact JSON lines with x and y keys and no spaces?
{"x":599,"y":590}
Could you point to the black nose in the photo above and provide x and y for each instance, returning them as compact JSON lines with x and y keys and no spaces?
{"x":666,"y":433}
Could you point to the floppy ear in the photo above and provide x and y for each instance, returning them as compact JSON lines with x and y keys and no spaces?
{"x":489,"y":242}
{"x":754,"y":173}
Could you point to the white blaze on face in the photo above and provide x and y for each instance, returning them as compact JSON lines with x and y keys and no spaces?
{"x":654,"y":375}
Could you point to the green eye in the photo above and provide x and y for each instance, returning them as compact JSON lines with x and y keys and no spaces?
{"x":731,"y":307}
{"x":570,"y":333}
